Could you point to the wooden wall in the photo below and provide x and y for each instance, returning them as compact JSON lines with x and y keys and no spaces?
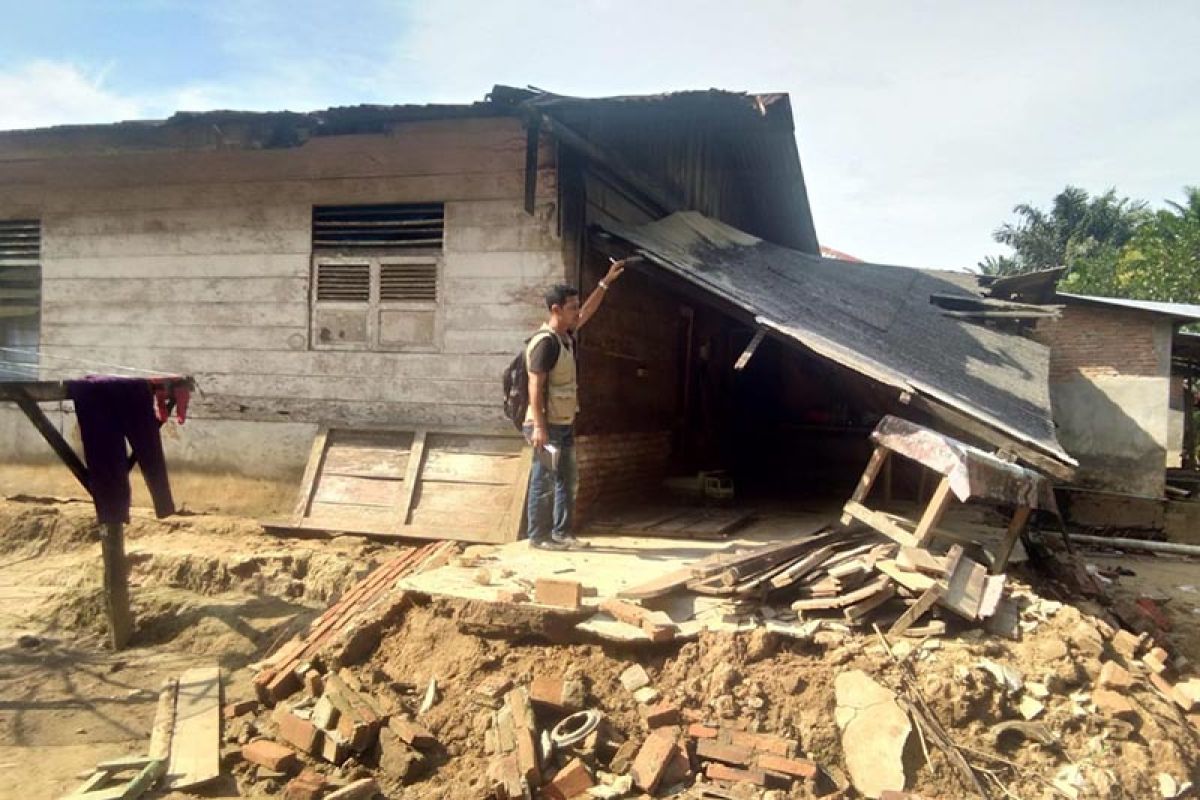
{"x":199,"y":262}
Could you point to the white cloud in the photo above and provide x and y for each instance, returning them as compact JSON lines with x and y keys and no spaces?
{"x":43,"y":93}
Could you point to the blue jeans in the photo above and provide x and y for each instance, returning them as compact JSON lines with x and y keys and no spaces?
{"x":551,"y":505}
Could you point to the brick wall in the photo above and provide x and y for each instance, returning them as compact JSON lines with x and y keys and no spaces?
{"x":618,"y":467}
{"x":1095,"y":342}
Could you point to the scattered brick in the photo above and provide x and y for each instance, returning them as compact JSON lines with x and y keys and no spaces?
{"x":556,"y":693}
{"x":558,"y":592}
{"x":234,"y":710}
{"x":1157,"y":660}
{"x":325,"y":714}
{"x":759,"y":742}
{"x":709,"y":750}
{"x":308,"y":785}
{"x":493,"y":688}
{"x":624,"y":757}
{"x":268,"y":754}
{"x":571,"y":781}
{"x":662,"y":714}
{"x":1114,"y":676}
{"x":1114,"y":704}
{"x":794,"y":767}
{"x":412,"y":733}
{"x":652,"y":760}
{"x":698,"y":731}
{"x":1126,"y":644}
{"x":298,"y":732}
{"x":334,"y":748}
{"x":720,"y":772}
{"x":282,"y":686}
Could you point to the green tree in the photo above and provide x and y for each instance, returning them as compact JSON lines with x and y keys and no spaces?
{"x":1077,"y":229}
{"x":1162,"y":259}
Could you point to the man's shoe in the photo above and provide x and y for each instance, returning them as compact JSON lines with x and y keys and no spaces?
{"x":567,"y":541}
{"x":547,"y":544}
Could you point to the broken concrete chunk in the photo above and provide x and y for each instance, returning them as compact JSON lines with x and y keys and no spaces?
{"x":634,"y":678}
{"x":875,"y":732}
{"x":397,"y":759}
{"x":1114,"y":704}
{"x":1007,"y":677}
{"x":1114,"y":676}
{"x":1030,"y":707}
{"x":646,"y":694}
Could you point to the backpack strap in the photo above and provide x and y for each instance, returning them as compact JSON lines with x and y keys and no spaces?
{"x":532,"y":340}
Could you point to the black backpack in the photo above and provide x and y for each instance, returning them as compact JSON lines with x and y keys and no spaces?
{"x":516,"y":387}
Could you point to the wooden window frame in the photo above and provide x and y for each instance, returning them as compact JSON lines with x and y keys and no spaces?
{"x":375,"y":261}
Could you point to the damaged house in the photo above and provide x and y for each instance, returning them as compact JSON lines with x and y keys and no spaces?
{"x":359,"y":277}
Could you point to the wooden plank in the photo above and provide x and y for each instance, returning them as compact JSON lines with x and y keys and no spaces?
{"x":196,"y":741}
{"x":311,"y":470}
{"x":365,"y":462}
{"x":510,"y":530}
{"x":871,"y":589}
{"x":913,"y":581}
{"x":476,"y":444}
{"x":1015,"y":527}
{"x":915,"y":559}
{"x":880,"y":522}
{"x":349,"y":490}
{"x":802,"y":567}
{"x":460,"y":497}
{"x":966,"y":584}
{"x":359,"y":519}
{"x":857,"y":611}
{"x":441,"y":465}
{"x":164,"y":721}
{"x":933,"y":512}
{"x":917,"y":610}
{"x":412,"y":475}
{"x":878,"y":457}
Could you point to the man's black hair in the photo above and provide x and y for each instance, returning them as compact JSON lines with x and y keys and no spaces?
{"x":558,"y":294}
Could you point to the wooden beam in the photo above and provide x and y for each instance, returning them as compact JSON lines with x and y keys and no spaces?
{"x":316,"y":458}
{"x":933,"y":512}
{"x":196,"y":742}
{"x":748,"y":353}
{"x":412,"y":474}
{"x":880,"y":522}
{"x":642,"y":184}
{"x":916,"y":610}
{"x":878,"y":458}
{"x":1016,"y":527}
{"x":53,"y":438}
{"x":116,"y":585}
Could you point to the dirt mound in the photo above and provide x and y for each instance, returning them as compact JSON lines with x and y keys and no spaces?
{"x":36,"y":528}
{"x":762,"y":683}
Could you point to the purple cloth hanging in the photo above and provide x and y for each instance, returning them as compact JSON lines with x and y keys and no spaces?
{"x":112,"y":410}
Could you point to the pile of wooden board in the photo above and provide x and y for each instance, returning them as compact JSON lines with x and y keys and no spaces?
{"x":852,"y":572}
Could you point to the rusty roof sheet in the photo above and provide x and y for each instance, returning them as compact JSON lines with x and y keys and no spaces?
{"x":872,"y":318}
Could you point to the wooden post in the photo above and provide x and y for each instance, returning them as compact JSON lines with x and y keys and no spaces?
{"x":1015,"y":527}
{"x":867,"y":480}
{"x":116,"y":585}
{"x":933,"y":512}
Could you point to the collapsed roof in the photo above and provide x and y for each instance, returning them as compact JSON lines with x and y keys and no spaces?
{"x":874,"y":319}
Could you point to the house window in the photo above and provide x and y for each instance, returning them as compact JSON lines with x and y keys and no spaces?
{"x":20,"y":298}
{"x":377,"y":277}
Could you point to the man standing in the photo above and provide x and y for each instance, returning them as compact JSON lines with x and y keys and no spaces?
{"x":553,"y":403}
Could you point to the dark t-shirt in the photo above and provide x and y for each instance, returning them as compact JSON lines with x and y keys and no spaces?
{"x":544,"y":354}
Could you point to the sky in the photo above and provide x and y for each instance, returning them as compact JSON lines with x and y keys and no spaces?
{"x":919,"y":124}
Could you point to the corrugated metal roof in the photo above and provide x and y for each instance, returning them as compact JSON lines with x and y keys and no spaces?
{"x":1179,"y":311}
{"x":872,"y":318}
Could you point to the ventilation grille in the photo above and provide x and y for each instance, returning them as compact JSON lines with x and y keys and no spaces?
{"x":390,"y":227}
{"x":408,"y":282}
{"x":344,"y":283}
{"x":20,"y":242}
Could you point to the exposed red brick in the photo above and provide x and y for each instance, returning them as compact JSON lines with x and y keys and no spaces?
{"x":795,"y":767}
{"x":271,"y":755}
{"x":308,"y":785}
{"x":651,"y":762}
{"x":571,"y":781}
{"x":1155,"y":614}
{"x":720,"y":772}
{"x":699,"y":731}
{"x":661,"y":714}
{"x":298,"y":732}
{"x":709,"y":750}
{"x":678,"y":770}
{"x":759,"y":742}
{"x":233,"y":710}
{"x":556,"y":592}
{"x":314,"y":684}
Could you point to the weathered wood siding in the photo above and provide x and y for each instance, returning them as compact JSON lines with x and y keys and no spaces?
{"x":200,"y":263}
